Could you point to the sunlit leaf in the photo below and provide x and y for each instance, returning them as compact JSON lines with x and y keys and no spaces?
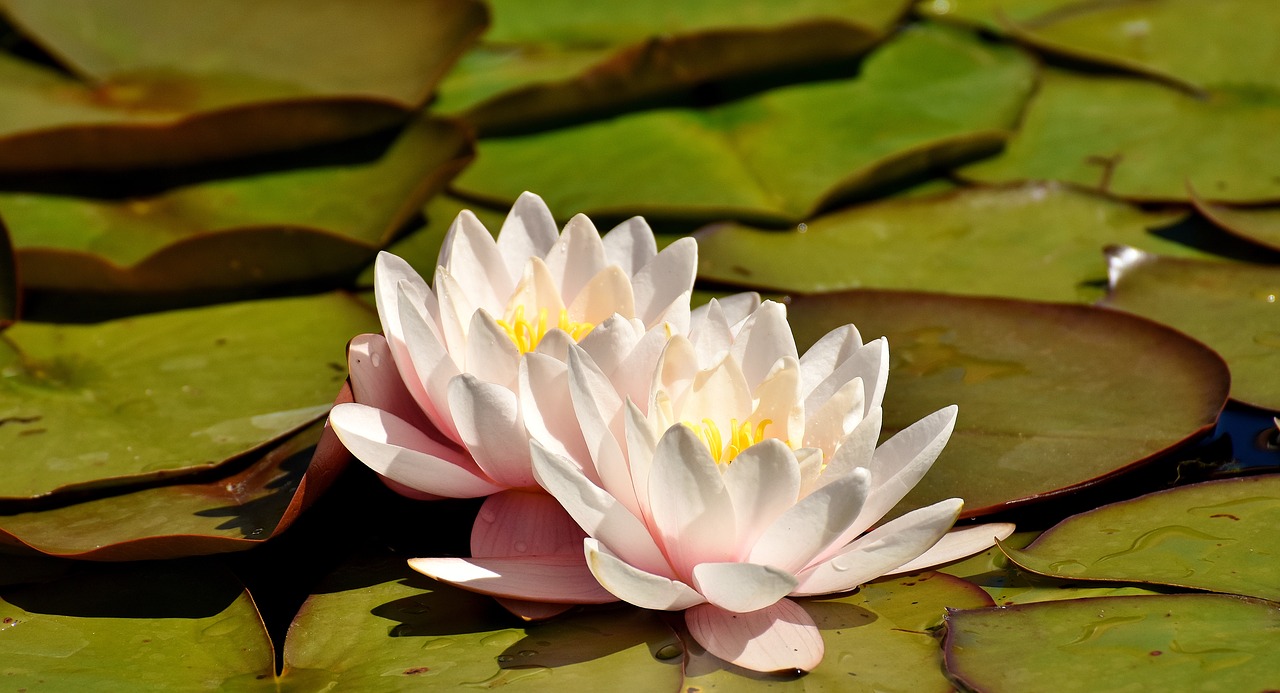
{"x":167,"y":85}
{"x":322,"y":220}
{"x":992,"y":15}
{"x":1186,"y":642}
{"x":1235,"y":310}
{"x":1035,"y":241}
{"x":165,"y":394}
{"x":778,"y":156}
{"x":1051,"y":396}
{"x":1145,"y":141}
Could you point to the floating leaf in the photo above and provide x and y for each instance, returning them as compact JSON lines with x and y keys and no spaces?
{"x":166,"y":86}
{"x":992,"y":15}
{"x":545,"y":62}
{"x":231,"y":514}
{"x":1260,"y":225}
{"x":1052,"y":397}
{"x":267,"y":228}
{"x":779,"y":156}
{"x":166,"y":394}
{"x":131,"y":628}
{"x":1035,"y":241}
{"x":1144,"y":141}
{"x":1235,"y":309}
{"x":1215,"y":535}
{"x":1185,"y":642}
{"x":8,"y":279}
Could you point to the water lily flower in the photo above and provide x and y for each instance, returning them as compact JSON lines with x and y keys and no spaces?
{"x":752,"y":477}
{"x":473,"y":365}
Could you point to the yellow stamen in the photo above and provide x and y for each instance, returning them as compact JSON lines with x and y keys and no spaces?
{"x":741,"y":437}
{"x":527,"y":334}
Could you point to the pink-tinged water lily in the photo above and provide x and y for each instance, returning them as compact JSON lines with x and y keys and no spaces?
{"x":473,"y":365}
{"x":753,"y":477}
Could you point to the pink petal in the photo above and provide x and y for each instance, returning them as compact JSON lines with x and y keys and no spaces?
{"x":635,"y":586}
{"x":763,"y":482}
{"x":489,"y":423}
{"x":472,"y":258}
{"x":388,"y":274}
{"x":524,"y":523}
{"x":397,"y":450}
{"x":576,"y":257}
{"x":957,"y":544}
{"x":781,"y":637}
{"x":555,"y":579}
{"x":375,"y":381}
{"x":764,"y":338}
{"x":664,"y":280}
{"x":528,"y":231}
{"x":630,"y":245}
{"x":742,"y":587}
{"x":599,"y":412}
{"x":813,"y":524}
{"x":547,"y":408}
{"x":691,"y":507}
{"x":456,"y":308}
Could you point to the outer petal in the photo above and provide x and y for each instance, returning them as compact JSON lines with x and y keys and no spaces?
{"x":397,"y":450}
{"x":389,"y":271}
{"x":781,"y":637}
{"x":427,"y":366}
{"x":665,"y":280}
{"x":691,"y":507}
{"x":812,"y":524}
{"x":524,"y":523}
{"x":555,"y":579}
{"x":635,"y":586}
{"x":630,"y":245}
{"x":488,"y":420}
{"x":528,"y":231}
{"x":903,"y":460}
{"x":375,"y":381}
{"x":957,"y":544}
{"x":742,"y":587}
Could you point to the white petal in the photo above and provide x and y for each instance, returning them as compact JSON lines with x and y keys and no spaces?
{"x":607,"y":293}
{"x":524,"y":523}
{"x":599,"y":412}
{"x":528,"y":231}
{"x":641,"y":443}
{"x":778,"y":402}
{"x":719,"y":393}
{"x":423,"y":361}
{"x":635,"y":586}
{"x":547,"y":408}
{"x":881,"y":550}
{"x":763,"y":482}
{"x":489,"y":422}
{"x":576,"y":257}
{"x":856,"y":449}
{"x":473,"y":260}
{"x":677,"y":366}
{"x":536,"y":292}
{"x":810,"y":462}
{"x":900,"y":463}
{"x":491,"y":355}
{"x":389,"y":271}
{"x":665,"y":279}
{"x":781,"y":637}
{"x":610,"y":342}
{"x":712,"y":337}
{"x":742,"y":587}
{"x":836,"y":418}
{"x":630,"y":245}
{"x":633,"y":377}
{"x":957,"y":544}
{"x":820,"y":361}
{"x":870,"y":362}
{"x":555,"y":579}
{"x":397,"y":450}
{"x":812,"y":524}
{"x":764,"y":338}
{"x":456,"y":308}
{"x":736,"y":308}
{"x":691,"y":507}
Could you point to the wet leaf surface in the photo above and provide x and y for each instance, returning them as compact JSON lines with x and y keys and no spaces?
{"x":166,"y":394}
{"x":323,"y":220}
{"x":780,"y":156}
{"x":1141,"y":140}
{"x":1235,"y":310}
{"x":1040,"y":242}
{"x":1051,"y":396}
{"x":1169,"y":642}
{"x":1216,"y":535}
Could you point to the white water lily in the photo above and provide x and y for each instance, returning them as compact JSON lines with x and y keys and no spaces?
{"x":474,"y":365}
{"x":753,"y":476}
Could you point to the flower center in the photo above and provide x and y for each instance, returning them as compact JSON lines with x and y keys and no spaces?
{"x":741,"y":436}
{"x":526,"y":333}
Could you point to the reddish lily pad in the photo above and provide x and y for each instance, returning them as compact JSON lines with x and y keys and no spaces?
{"x":90,"y":406}
{"x":780,"y":156}
{"x":161,"y":85}
{"x":1260,"y":225}
{"x":1233,"y":308}
{"x":1216,"y":535}
{"x":1144,"y":141}
{"x":232,"y":514}
{"x":1035,"y":241}
{"x":267,"y":228}
{"x":1185,"y":642}
{"x":543,"y":62}
{"x":1052,"y":397}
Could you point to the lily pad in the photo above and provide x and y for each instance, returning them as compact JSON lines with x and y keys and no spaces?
{"x":779,"y":156}
{"x":1260,"y":225}
{"x":236,"y":513}
{"x":267,"y":228}
{"x":90,"y":406}
{"x":131,"y":628}
{"x":1052,"y":397}
{"x":1186,"y":642}
{"x":162,"y":86}
{"x":992,"y":15}
{"x":545,"y":62}
{"x":8,"y":279}
{"x":1144,"y":141}
{"x":1233,"y":308}
{"x":1034,"y":241}
{"x":1216,"y":535}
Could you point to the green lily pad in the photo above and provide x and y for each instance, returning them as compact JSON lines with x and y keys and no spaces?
{"x":1144,"y":141}
{"x":131,"y":628}
{"x":167,"y":394}
{"x":992,"y":15}
{"x":1215,"y":535}
{"x":1233,"y":308}
{"x":164,"y":86}
{"x":779,"y":156}
{"x":236,"y":513}
{"x":1034,"y":241}
{"x":1052,"y":396}
{"x":1260,"y":225}
{"x":8,"y":279}
{"x":420,"y":247}
{"x":267,"y":228}
{"x":377,"y":625}
{"x":542,"y":63}
{"x":1185,"y":642}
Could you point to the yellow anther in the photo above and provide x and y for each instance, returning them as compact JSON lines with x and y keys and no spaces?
{"x":527,"y":334}
{"x":741,"y":437}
